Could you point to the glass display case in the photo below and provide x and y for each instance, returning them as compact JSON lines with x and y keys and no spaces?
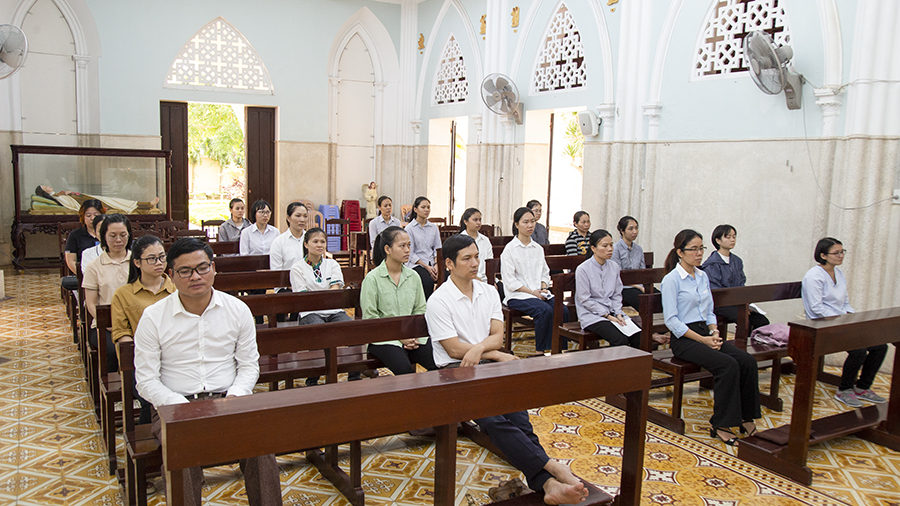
{"x":51,"y":183}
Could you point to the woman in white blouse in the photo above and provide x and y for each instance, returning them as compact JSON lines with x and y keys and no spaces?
{"x":526,"y":279}
{"x":315,"y":272}
{"x":257,"y":239}
{"x":824,"y":294}
{"x":287,"y":248}
{"x":470,"y":224}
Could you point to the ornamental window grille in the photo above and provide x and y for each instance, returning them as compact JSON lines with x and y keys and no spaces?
{"x":721,"y":46}
{"x":451,"y":86}
{"x":560,"y":64}
{"x":218,"y":57}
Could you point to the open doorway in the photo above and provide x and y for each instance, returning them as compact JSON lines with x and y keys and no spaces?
{"x":217,"y":169}
{"x":447,"y":167}
{"x":554,"y":161}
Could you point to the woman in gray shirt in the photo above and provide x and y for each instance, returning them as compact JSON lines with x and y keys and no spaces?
{"x":629,"y":255}
{"x":231,"y":229}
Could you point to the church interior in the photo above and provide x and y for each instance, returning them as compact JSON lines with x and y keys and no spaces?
{"x":675,"y":129}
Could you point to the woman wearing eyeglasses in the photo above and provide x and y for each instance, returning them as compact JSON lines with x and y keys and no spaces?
{"x":257,"y":239}
{"x":688,"y":311}
{"x":824,"y":294}
{"x":147,"y":285}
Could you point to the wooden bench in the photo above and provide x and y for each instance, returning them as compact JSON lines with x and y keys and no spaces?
{"x":265,"y":280}
{"x":109,"y":387}
{"x":192,"y":433}
{"x":242,"y":263}
{"x":225,"y":247}
{"x":784,"y":449}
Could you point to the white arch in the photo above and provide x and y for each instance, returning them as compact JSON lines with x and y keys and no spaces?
{"x":662,"y":50}
{"x":606,"y":57}
{"x":832,"y":42}
{"x":385,"y":65}
{"x":87,"y":49}
{"x":473,"y":42}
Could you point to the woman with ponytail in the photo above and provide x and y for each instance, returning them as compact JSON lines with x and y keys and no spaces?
{"x":598,"y":294}
{"x":526,"y":279}
{"x":688,"y":311}
{"x":470,"y":224}
{"x":425,"y":240}
{"x":392,"y":289}
{"x":147,"y":285}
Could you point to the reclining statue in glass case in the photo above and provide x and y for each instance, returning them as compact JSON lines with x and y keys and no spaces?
{"x":45,"y":201}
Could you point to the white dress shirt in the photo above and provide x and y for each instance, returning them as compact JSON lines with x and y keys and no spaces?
{"x":90,"y":254}
{"x":303,"y":279}
{"x":177,"y":353}
{"x":451,"y":314}
{"x":522,"y":265}
{"x":485,"y":253}
{"x":286,"y":250}
{"x":377,"y":225}
{"x":254,"y":242}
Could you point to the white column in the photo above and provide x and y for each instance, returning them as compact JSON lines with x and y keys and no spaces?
{"x":82,"y":93}
{"x":829,"y":99}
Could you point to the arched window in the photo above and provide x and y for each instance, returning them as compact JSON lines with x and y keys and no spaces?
{"x":720,"y":47}
{"x":218,"y":57}
{"x":560,"y":64}
{"x":450,"y":85}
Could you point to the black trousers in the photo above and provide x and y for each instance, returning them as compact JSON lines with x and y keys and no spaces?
{"x":514,"y":436}
{"x":869,"y":359}
{"x":112,"y":360}
{"x":400,"y":360}
{"x":609,"y":332}
{"x":735,"y":376}
{"x":427,"y":282}
{"x":630,"y":297}
{"x":730,"y":315}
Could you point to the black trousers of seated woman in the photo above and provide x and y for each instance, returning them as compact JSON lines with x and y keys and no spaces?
{"x":730,"y":315}
{"x":427,"y":282}
{"x":609,"y":332}
{"x":735,"y":377}
{"x":631,"y":297}
{"x":400,"y":360}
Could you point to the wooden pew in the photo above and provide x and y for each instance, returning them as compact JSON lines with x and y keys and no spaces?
{"x":192,"y":433}
{"x":259,"y":280}
{"x":109,"y":387}
{"x":242,"y":263}
{"x":225,"y":247}
{"x":810,"y":340}
{"x":500,"y":240}
{"x":554,"y":249}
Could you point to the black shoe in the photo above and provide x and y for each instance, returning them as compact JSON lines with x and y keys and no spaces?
{"x":714,"y":433}
{"x":744,"y":430}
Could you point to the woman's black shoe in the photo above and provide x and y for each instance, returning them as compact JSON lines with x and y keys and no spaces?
{"x":714,"y":433}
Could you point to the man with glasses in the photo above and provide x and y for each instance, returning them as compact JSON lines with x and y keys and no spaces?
{"x":201,"y":344}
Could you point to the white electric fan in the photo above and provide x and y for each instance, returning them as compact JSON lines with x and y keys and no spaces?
{"x":13,"y":50}
{"x":501,"y":96}
{"x":769,"y":67}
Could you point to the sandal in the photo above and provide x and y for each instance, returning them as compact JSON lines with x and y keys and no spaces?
{"x":714,"y":433}
{"x":744,"y":430}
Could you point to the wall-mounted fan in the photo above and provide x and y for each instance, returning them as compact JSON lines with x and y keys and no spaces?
{"x":13,"y":49}
{"x":501,"y":96}
{"x":769,"y":67}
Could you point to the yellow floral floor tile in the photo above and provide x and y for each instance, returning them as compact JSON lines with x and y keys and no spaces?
{"x":52,"y":452}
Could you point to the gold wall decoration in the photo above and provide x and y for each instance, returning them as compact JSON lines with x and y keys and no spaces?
{"x":483,"y":24}
{"x":515,"y":18}
{"x":612,"y":2}
{"x":421,"y":41}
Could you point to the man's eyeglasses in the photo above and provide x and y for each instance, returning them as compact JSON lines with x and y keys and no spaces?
{"x":154,"y":260}
{"x":186,"y":272}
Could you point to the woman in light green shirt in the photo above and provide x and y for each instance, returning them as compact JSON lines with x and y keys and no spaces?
{"x":392,"y":289}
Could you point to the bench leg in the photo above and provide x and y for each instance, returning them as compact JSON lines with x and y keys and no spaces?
{"x":109,"y":426}
{"x":347,"y":485}
{"x":772,"y":401}
{"x":677,"y":393}
{"x":633,"y":448}
{"x":445,"y":465}
{"x":130,"y":477}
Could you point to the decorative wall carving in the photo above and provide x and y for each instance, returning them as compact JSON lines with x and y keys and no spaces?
{"x":451,"y":86}
{"x":560,"y":64}
{"x":218,"y":57}
{"x":721,"y":49}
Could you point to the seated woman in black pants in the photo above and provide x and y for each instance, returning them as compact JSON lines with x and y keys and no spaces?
{"x":598,"y":294}
{"x":726,"y":270}
{"x":392,"y":289}
{"x":425,"y":240}
{"x":687,"y":308}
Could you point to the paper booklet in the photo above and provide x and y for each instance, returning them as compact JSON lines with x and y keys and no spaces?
{"x":629,"y":329}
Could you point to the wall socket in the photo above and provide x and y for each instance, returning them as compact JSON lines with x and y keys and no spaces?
{"x":896,"y":196}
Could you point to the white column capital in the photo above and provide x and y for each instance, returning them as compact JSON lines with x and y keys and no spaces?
{"x":416,"y":125}
{"x":829,"y":99}
{"x":81,"y":61}
{"x":651,"y":110}
{"x":334,"y":80}
{"x":379,"y":85}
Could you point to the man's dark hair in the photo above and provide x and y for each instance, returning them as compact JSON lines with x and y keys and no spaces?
{"x":187,"y":245}
{"x":109,"y":220}
{"x":454,"y":244}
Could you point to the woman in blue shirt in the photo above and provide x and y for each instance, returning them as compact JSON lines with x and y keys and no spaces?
{"x":825,"y":294}
{"x":726,"y":270}
{"x":688,"y":312}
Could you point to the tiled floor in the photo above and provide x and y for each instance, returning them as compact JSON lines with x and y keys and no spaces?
{"x":51,"y":451}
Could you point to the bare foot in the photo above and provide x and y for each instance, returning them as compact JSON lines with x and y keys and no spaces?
{"x":556,"y":492}
{"x":562,"y":473}
{"x":154,"y":201}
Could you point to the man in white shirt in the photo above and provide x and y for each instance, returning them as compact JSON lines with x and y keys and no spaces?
{"x":465,"y":321}
{"x":201,"y":344}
